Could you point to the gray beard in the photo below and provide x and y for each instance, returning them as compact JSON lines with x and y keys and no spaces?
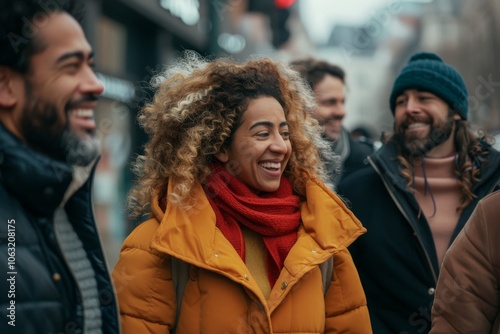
{"x":45,"y":133}
{"x":79,"y":152}
{"x":66,"y":146}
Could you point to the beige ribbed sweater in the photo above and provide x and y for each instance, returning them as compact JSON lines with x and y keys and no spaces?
{"x":440,"y":199}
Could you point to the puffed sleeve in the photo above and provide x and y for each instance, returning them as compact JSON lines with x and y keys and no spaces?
{"x":143,"y":283}
{"x":345,"y":301}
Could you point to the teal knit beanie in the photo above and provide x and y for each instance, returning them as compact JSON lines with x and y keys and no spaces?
{"x":427,"y":72}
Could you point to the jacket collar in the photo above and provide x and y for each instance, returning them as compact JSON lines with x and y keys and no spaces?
{"x":386,"y":159}
{"x":328,"y":226}
{"x":36,"y":180}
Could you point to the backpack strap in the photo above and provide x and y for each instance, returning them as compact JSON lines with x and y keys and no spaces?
{"x":180,"y":276}
{"x":326,"y":273}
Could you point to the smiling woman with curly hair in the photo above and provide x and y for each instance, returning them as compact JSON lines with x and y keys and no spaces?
{"x":232,"y":178}
{"x":196,"y":110}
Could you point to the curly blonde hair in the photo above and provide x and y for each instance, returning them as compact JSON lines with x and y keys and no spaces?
{"x":195,"y":111}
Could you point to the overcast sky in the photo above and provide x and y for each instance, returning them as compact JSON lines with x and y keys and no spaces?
{"x":320,"y":16}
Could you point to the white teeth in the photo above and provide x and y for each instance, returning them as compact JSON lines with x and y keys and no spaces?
{"x":83,"y":113}
{"x":273,"y":165}
{"x":416,"y":125}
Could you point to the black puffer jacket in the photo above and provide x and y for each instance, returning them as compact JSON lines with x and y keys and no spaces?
{"x":39,"y":294}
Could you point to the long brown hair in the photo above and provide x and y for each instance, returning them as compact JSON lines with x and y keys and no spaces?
{"x":472,"y":152}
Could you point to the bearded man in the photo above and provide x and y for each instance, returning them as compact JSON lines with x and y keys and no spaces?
{"x":57,"y":277}
{"x":423,"y":185}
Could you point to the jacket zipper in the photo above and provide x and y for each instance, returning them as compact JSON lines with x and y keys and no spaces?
{"x":398,"y":204}
{"x":51,"y":267}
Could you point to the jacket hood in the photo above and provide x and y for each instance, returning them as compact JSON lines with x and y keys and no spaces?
{"x":192,"y":236}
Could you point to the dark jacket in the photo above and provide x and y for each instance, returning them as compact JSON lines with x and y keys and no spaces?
{"x":352,"y":155}
{"x":396,"y":259}
{"x":40,"y":295}
{"x":360,"y":149}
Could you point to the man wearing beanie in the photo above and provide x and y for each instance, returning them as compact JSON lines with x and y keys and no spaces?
{"x":423,"y":185}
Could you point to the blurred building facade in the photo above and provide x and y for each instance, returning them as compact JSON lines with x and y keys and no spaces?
{"x":475,"y":50}
{"x":464,"y":33}
{"x":467,"y":35}
{"x":134,"y":39}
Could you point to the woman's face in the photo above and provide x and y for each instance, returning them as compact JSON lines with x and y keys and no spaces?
{"x":261,"y":147}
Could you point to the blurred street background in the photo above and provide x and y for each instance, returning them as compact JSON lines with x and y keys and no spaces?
{"x":370,"y":39}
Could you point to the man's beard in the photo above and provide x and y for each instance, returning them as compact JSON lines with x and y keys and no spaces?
{"x":44,"y":131}
{"x":412,"y":144}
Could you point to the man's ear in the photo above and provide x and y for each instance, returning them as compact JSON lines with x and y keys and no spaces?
{"x":457,"y":117}
{"x":8,"y":95}
{"x":222,"y":155}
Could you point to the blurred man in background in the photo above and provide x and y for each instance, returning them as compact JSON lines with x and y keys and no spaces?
{"x":57,"y":277}
{"x":328,"y":84}
{"x":421,"y":188}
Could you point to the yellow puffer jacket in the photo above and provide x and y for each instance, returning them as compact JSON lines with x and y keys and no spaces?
{"x":221,"y":296}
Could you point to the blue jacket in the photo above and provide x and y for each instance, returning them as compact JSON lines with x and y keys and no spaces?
{"x":40,"y":294}
{"x":396,"y":258}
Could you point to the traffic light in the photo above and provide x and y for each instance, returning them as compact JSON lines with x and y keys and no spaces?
{"x":279,"y":29}
{"x":283,"y":4}
{"x":278,"y":13}
{"x":260,"y":6}
{"x":279,"y":18}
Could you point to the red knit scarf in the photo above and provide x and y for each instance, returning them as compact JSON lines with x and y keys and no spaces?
{"x":275,"y":216}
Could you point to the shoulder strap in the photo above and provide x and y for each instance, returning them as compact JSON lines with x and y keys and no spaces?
{"x":180,"y":276}
{"x":326,"y":273}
